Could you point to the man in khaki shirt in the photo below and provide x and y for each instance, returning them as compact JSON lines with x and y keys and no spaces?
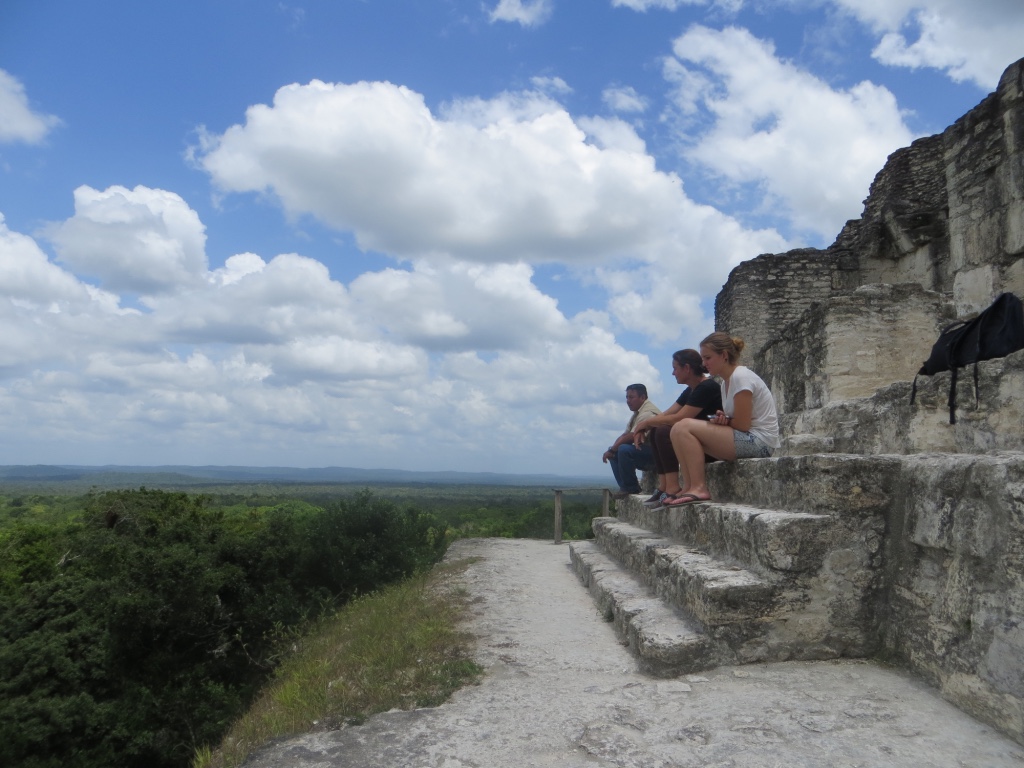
{"x":624,"y":457}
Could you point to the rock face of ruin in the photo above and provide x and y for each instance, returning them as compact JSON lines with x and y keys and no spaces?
{"x":942,"y":234}
{"x":879,"y":528}
{"x":945,"y":214}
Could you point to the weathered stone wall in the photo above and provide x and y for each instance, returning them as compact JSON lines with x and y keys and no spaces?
{"x":765,"y":294}
{"x":946,"y":213}
{"x":940,"y":559}
{"x":846,"y":348}
{"x":954,"y":611}
{"x":887,"y":422}
{"x":902,"y":236}
{"x":984,"y":153}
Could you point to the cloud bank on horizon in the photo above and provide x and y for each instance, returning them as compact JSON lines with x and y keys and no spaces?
{"x":447,"y":241}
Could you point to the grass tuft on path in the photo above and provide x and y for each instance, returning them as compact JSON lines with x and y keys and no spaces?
{"x":398,"y":648}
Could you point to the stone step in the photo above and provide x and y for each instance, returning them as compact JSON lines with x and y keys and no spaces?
{"x":886,"y":422}
{"x":713,"y":592}
{"x":663,"y":640}
{"x":849,"y":487}
{"x":766,"y":540}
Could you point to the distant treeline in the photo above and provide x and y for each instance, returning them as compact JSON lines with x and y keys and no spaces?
{"x":47,"y":478}
{"x":135,"y":625}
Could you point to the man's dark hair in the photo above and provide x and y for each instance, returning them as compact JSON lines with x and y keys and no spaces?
{"x":640,"y":389}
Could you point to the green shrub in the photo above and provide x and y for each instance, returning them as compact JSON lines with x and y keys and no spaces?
{"x":139,"y":631}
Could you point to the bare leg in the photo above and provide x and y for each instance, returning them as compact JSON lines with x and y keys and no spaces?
{"x":691,"y":439}
{"x":684,"y":486}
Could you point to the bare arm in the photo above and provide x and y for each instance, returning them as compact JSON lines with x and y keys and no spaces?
{"x":625,"y":437}
{"x":743,"y":411}
{"x":666,"y":419}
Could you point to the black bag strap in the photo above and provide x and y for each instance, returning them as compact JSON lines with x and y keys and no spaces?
{"x":952,"y":395}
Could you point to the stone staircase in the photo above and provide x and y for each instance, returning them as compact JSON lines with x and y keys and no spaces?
{"x":770,"y":570}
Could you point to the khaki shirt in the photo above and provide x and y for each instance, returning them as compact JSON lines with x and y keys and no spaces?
{"x":645,"y":411}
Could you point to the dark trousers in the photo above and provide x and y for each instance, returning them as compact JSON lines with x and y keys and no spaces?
{"x":665,"y":461}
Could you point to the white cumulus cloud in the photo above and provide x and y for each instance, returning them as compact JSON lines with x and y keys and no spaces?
{"x":528,"y":13}
{"x":555,"y":86}
{"x":48,"y":314}
{"x":810,"y":150}
{"x":645,"y":5}
{"x":623,"y":99}
{"x":142,"y":240}
{"x":970,"y":40}
{"x":275,"y":355}
{"x":506,"y":180}
{"x":18,"y":121}
{"x":461,"y":306}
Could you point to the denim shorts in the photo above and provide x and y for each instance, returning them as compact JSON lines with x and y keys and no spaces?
{"x":750,"y":447}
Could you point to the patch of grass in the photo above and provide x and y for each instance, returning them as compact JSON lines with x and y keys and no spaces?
{"x":398,"y":648}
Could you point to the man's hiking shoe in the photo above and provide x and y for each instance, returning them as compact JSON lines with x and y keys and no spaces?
{"x":657,"y":499}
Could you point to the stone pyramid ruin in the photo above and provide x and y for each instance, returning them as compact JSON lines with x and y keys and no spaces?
{"x":879,"y":529}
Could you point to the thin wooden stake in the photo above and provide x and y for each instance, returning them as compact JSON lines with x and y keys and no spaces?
{"x":558,"y":517}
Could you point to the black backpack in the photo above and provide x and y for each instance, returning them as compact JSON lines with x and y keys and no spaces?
{"x":996,"y":332}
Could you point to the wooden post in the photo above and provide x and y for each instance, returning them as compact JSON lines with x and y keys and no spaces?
{"x":558,"y":517}
{"x":606,"y":499}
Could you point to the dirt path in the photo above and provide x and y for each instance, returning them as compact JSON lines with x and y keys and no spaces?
{"x":560,"y":690}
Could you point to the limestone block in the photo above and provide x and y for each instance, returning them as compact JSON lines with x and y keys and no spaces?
{"x":788,"y":542}
{"x":886,"y":422}
{"x":976,"y":236}
{"x":805,"y":444}
{"x":1012,"y":174}
{"x":958,"y":524}
{"x":765,"y":294}
{"x":927,"y":434}
{"x":1015,"y":227}
{"x":1013,"y":279}
{"x":648,"y":481}
{"x":921,"y":265}
{"x":850,"y":487}
{"x":1004,"y":662}
{"x":953,"y":560}
{"x":974,"y":290}
{"x":853,"y":345}
{"x":1013,"y":129}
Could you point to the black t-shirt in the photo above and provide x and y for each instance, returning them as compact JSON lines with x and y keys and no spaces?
{"x":707,"y":396}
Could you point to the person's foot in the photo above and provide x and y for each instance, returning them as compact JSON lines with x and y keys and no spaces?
{"x":654,"y":500}
{"x":684,"y":498}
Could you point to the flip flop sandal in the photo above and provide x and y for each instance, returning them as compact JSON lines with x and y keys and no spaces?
{"x":683,"y":498}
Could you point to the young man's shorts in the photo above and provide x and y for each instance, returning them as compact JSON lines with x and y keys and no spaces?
{"x":750,"y":447}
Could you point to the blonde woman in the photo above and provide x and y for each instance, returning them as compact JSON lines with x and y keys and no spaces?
{"x":747,"y":427}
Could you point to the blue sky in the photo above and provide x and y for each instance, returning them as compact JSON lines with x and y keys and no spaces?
{"x":425,"y":235}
